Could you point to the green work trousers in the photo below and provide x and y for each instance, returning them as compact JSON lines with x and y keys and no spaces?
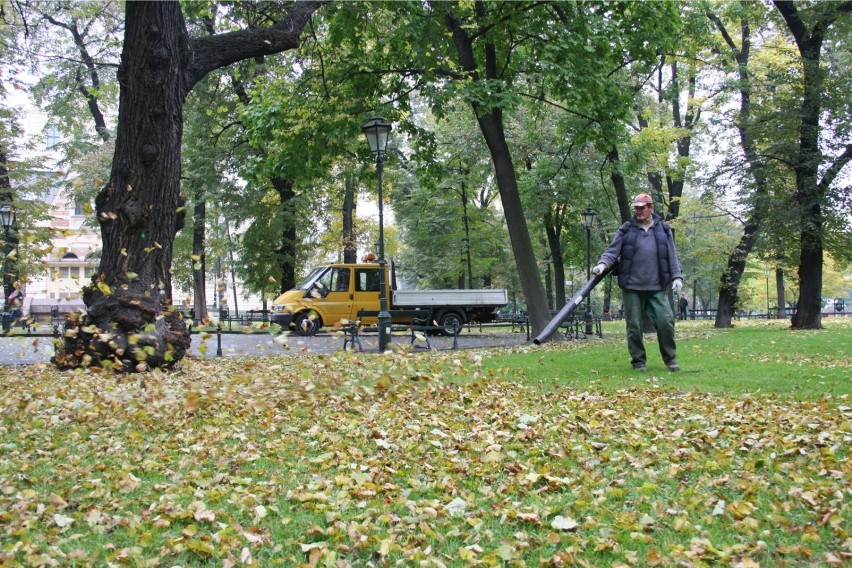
{"x":658,"y":309}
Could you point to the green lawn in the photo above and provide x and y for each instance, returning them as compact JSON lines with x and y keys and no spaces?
{"x":556,"y":455}
{"x":753,"y":357}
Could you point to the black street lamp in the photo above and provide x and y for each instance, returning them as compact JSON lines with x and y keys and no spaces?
{"x":377,"y":132}
{"x":589,"y":220}
{"x":7,"y":219}
{"x":766,"y":274}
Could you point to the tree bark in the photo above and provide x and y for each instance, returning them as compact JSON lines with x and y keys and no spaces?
{"x":553,"y":229}
{"x":810,"y":192}
{"x":7,"y":266}
{"x":780,"y":294}
{"x":618,"y":183}
{"x":130,"y":324}
{"x":199,"y":277}
{"x":491,"y":125}
{"x":731,"y":276}
{"x":287,"y":251}
{"x":350,"y":243}
{"x":140,"y":211}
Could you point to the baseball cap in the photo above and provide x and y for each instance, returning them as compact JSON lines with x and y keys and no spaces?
{"x":641,"y":200}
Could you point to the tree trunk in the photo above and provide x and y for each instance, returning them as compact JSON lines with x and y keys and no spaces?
{"x":808,"y":197}
{"x":468,"y":260}
{"x":7,"y":265}
{"x":141,"y":209}
{"x":617,"y":178}
{"x":553,"y":230}
{"x":129,"y":325}
{"x":730,"y":282}
{"x":287,"y":251}
{"x":779,"y":291}
{"x":199,"y":268}
{"x":491,"y":125}
{"x":350,"y":243}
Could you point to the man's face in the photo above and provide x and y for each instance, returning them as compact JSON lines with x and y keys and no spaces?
{"x":643,"y":213}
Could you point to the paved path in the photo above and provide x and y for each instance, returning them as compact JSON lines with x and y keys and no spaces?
{"x":19,"y":350}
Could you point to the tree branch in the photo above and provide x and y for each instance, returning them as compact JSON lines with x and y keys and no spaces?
{"x":834,"y":169}
{"x":214,"y":52}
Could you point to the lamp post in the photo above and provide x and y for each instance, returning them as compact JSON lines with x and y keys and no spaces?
{"x":588,"y":220}
{"x":766,"y":274}
{"x":377,"y":132}
{"x":7,"y":219}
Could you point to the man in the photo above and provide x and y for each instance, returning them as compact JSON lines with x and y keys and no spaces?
{"x":682,"y":304}
{"x":647,"y":265}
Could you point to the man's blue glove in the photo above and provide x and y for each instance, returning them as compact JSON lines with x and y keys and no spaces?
{"x":677,"y":286}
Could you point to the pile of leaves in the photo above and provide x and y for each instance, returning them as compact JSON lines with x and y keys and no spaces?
{"x":360,"y":459}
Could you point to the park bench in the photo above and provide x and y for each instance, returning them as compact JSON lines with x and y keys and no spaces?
{"x":419,"y":321}
{"x":250,"y":316}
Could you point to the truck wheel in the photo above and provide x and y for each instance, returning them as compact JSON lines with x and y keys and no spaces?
{"x":307,"y":324}
{"x":451,"y":323}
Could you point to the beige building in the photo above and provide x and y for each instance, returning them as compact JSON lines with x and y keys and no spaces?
{"x":73,"y":257}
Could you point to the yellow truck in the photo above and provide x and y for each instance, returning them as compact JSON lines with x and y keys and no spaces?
{"x":337,"y":292}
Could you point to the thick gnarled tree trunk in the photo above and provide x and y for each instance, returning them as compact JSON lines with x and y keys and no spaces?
{"x":130,"y":324}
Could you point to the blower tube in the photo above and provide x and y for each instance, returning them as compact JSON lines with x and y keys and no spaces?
{"x":569,"y":307}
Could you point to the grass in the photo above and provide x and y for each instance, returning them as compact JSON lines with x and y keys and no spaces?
{"x":753,"y":357}
{"x":554,"y":455}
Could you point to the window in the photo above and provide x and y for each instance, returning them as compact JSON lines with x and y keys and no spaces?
{"x":53,"y":137}
{"x":78,"y":207}
{"x":70,"y":272}
{"x":334,"y":280}
{"x":91,"y":271}
{"x":367,"y":280}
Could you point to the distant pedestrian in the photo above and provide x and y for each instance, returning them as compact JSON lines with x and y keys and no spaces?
{"x":15,"y":303}
{"x":682,"y":304}
{"x":647,"y":265}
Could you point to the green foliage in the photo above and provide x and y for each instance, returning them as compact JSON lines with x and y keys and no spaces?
{"x":73,"y":48}
{"x":704,"y":241}
{"x":445,"y":207}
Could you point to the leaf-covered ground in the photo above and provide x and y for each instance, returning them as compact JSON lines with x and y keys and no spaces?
{"x":429,"y":460}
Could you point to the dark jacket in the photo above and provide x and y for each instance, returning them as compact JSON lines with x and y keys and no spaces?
{"x":634,"y":248}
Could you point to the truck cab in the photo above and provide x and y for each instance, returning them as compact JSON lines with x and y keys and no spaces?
{"x":328,"y":295}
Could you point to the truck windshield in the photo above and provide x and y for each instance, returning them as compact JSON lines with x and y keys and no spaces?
{"x":310,"y":279}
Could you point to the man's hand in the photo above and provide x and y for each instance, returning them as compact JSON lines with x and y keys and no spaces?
{"x":598,"y":269}
{"x":677,"y":286}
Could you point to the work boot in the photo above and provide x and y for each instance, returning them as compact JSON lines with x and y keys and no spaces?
{"x":640,"y":367}
{"x":673,"y":367}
